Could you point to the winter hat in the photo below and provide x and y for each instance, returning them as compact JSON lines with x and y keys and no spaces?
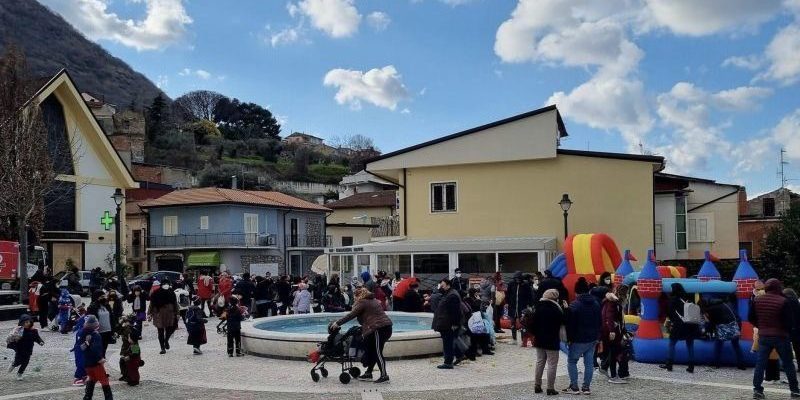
{"x":91,"y":323}
{"x":24,"y":318}
{"x":773,"y":285}
{"x":581,"y":286}
{"x":550,"y":294}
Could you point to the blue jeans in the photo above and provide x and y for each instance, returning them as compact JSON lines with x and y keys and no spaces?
{"x":784,"y":348}
{"x":576,"y":351}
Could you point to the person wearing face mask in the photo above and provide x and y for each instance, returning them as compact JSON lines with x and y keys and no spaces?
{"x":164,"y":314}
{"x":460,"y":284}
{"x":100,"y":308}
{"x":138,"y":302}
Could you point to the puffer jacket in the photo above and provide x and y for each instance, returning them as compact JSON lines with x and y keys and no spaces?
{"x":486,"y":291}
{"x":584,"y":320}
{"x":370,"y":315}
{"x":447,"y":313}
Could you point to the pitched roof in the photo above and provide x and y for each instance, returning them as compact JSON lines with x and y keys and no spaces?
{"x":384,"y":198}
{"x":231,"y":196}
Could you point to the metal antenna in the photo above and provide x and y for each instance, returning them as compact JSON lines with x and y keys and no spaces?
{"x":784,"y":180}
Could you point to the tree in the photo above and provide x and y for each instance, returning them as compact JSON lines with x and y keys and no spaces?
{"x":202,"y":129}
{"x":200,"y":103}
{"x":242,"y":121}
{"x":26,"y":170}
{"x":781,"y":254}
{"x":156,"y":118}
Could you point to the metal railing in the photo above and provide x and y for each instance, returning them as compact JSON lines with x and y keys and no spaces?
{"x":213,"y":240}
{"x":385,"y":226}
{"x":308,"y":241}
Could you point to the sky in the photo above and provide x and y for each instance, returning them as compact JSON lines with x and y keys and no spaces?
{"x":711,"y":85}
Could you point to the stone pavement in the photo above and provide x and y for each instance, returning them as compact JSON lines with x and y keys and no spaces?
{"x":507,"y":375}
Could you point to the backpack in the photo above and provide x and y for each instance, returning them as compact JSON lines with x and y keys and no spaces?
{"x":692,"y":313}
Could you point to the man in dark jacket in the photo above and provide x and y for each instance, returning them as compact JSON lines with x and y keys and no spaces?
{"x":447,"y":319}
{"x":771,"y":314}
{"x":583,"y":330}
{"x":551,"y":282}
{"x":518,"y":297}
{"x":459,"y":283}
{"x":246,"y":289}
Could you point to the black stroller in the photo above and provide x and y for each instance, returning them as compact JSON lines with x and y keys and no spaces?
{"x":341,"y":348}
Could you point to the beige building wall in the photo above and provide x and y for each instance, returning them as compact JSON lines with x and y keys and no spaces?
{"x":519,"y":198}
{"x":361,"y":235}
{"x":723,"y":214}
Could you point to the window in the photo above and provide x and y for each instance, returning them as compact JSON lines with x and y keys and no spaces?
{"x":430,"y":269}
{"x":395,"y":262}
{"x":443,"y":197}
{"x":701,"y":227}
{"x":768,"y":205}
{"x":477,"y":265}
{"x":680,"y":223}
{"x":658,"y":232}
{"x":170,"y":225}
{"x":748,"y":246}
{"x":363,"y":262}
{"x":250,"y":229}
{"x":347,"y":240}
{"x":523,"y":262}
{"x":204,"y":222}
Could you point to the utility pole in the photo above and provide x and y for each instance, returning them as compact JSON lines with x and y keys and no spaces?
{"x":783,"y":174}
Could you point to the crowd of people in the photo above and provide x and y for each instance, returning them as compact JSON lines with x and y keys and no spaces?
{"x":466,"y":315}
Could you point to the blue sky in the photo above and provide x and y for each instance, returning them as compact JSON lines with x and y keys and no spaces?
{"x":711,"y":85}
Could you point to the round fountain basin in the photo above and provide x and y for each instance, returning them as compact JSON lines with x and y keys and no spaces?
{"x":293,"y":336}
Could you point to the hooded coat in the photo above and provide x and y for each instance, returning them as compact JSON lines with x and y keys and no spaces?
{"x":612,"y":319}
{"x":518,"y":296}
{"x":584,"y":319}
{"x":164,"y":309}
{"x":546,"y":324}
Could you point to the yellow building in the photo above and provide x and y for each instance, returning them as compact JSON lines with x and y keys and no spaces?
{"x":486,"y":200}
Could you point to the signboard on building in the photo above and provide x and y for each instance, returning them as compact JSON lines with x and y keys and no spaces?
{"x":261,"y":269}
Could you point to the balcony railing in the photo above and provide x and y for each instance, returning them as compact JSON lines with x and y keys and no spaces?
{"x":308,"y":241}
{"x":213,"y":240}
{"x":385,"y":226}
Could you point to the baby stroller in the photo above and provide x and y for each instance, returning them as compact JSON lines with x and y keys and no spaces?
{"x":338,"y":348}
{"x":222,"y":326}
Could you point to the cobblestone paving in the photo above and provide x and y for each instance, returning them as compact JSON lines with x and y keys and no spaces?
{"x":508,"y":375}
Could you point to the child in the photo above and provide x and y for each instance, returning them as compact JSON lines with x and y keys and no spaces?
{"x":195,"y":325}
{"x":26,"y":335}
{"x":130,"y":353}
{"x":65,"y":305}
{"x":138,"y":301}
{"x":80,"y":371}
{"x":184,"y":301}
{"x":234,"y":318}
{"x":92,"y":348}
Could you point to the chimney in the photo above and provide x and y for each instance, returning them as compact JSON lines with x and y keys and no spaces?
{"x":234,"y":183}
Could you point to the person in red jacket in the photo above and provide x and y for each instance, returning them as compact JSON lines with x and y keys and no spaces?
{"x":205,"y":291}
{"x":612,"y":332}
{"x":225,"y":286}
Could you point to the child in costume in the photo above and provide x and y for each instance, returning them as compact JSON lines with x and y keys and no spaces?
{"x":80,"y":371}
{"x":65,"y":305}
{"x":91,"y":345}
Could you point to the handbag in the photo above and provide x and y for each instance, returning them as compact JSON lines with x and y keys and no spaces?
{"x":728,"y":330}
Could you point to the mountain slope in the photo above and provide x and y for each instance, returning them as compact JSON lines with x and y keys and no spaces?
{"x":51,"y":43}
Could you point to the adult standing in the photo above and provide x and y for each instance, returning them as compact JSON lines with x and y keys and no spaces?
{"x":246,"y":289}
{"x":612,"y":334}
{"x":519,"y":296}
{"x":74,"y":281}
{"x":283,"y":291}
{"x":680,"y":329}
{"x":412,"y":301}
{"x":263,"y":296}
{"x":460,"y":284}
{"x":498,"y":300}
{"x":225,"y":286}
{"x":376,"y":329}
{"x":164,"y":314}
{"x":551,"y":282}
{"x":205,"y":291}
{"x":447,"y":320}
{"x":100,"y":308}
{"x":771,"y":314}
{"x":545,"y":326}
{"x":794,"y":333}
{"x":722,"y":320}
{"x":46,"y":293}
{"x":583,"y":330}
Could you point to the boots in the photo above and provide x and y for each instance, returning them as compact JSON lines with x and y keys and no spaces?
{"x":107,"y":393}
{"x":89,"y":390}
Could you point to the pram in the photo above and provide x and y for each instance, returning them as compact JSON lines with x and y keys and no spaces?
{"x":341,"y":348}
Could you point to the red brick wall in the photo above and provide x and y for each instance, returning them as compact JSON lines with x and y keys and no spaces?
{"x":755,"y":232}
{"x":147,"y":173}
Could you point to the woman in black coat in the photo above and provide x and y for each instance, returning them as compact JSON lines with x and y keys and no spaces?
{"x":545,"y":326}
{"x":680,"y":330}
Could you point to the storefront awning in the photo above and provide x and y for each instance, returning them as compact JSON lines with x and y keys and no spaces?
{"x":199,"y":259}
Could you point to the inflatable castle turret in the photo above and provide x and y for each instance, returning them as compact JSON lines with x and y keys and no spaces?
{"x":708,"y":271}
{"x":745,"y":278}
{"x":624,"y":268}
{"x":649,"y":286}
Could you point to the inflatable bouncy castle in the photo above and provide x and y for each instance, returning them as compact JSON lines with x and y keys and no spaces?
{"x":589,"y":255}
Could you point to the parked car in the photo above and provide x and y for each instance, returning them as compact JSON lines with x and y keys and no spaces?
{"x":145,"y":281}
{"x":86,"y":278}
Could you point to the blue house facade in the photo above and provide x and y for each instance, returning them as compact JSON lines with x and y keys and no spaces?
{"x":234,"y":230}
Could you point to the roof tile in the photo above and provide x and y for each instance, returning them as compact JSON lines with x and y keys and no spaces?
{"x":236,"y":196}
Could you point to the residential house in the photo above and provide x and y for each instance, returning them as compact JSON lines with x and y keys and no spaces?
{"x":79,"y":212}
{"x":761,"y":214}
{"x":303,"y":139}
{"x":362,"y":182}
{"x":486,"y":200}
{"x":362,"y":217}
{"x":693,"y":215}
{"x":177,"y":177}
{"x":234,"y":230}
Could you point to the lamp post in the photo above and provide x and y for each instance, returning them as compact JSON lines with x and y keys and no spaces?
{"x":565,"y":204}
{"x":118,"y":199}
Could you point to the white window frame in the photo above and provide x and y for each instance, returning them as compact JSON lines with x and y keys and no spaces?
{"x":443,"y":184}
{"x":250,"y":237}
{"x":204,"y":223}
{"x":658,"y":233}
{"x":696,"y":220}
{"x":170,"y":225}
{"x":686,"y":225}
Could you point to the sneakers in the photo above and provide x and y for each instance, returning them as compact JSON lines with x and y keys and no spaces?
{"x":571,"y":390}
{"x":585,"y":390}
{"x":616,"y":380}
{"x":383,"y":379}
{"x":196,"y":351}
{"x":19,"y":377}
{"x":445,"y":366}
{"x":78,"y":382}
{"x":365,"y":377}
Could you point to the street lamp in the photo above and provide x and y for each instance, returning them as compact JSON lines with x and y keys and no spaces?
{"x":118,"y":199}
{"x":565,"y":204}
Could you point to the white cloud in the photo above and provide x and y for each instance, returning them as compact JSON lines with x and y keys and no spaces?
{"x":285,"y":36}
{"x":698,"y":18}
{"x":164,"y":23}
{"x":198,"y":73}
{"x":405,"y":111}
{"x":381,"y":87}
{"x":162,"y":81}
{"x":337,"y":18}
{"x":752,"y":62}
{"x":455,"y":3}
{"x":202,"y":74}
{"x":782,"y":55}
{"x":378,"y":20}
{"x":787,"y":135}
{"x":423,"y":91}
{"x":753,"y":154}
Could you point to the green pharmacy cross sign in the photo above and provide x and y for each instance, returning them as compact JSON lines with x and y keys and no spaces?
{"x":107,"y":221}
